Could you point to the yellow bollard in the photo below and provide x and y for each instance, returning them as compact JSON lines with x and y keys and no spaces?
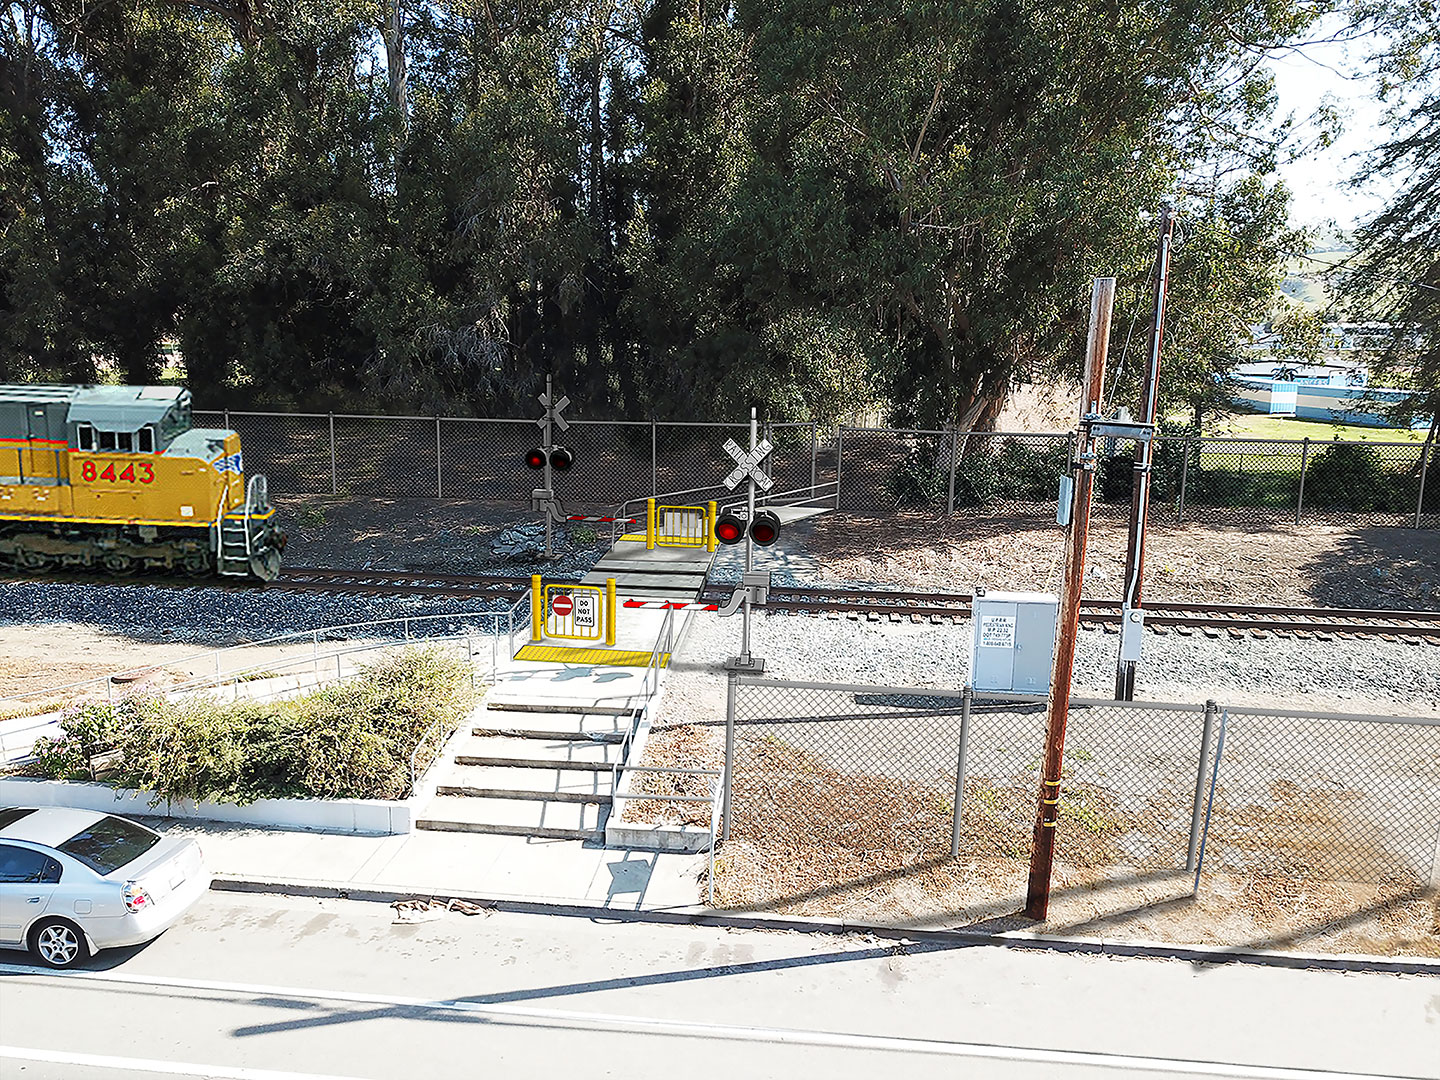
{"x":710,"y":528}
{"x":610,"y":611}
{"x":649,"y":524}
{"x":537,"y":608}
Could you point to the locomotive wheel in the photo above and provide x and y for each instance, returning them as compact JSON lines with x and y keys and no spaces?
{"x":196,"y":564}
{"x":117,"y":563}
{"x":34,"y":560}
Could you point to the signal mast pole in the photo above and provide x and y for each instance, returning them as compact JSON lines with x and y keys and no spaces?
{"x":1131,"y":626}
{"x":1042,"y":852}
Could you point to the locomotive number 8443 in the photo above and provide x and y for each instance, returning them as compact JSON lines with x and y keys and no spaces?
{"x":115,"y":477}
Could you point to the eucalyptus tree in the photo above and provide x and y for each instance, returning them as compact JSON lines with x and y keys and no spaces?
{"x":1398,"y":277}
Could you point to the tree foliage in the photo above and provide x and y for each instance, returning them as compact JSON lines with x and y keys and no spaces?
{"x":1398,"y":279}
{"x":675,"y":207}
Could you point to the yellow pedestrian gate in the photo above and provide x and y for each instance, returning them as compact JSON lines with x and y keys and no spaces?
{"x":576,"y":612}
{"x":679,"y":526}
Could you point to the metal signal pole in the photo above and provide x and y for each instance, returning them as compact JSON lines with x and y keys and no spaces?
{"x":549,"y":473}
{"x":1131,"y":625}
{"x":1042,"y":854}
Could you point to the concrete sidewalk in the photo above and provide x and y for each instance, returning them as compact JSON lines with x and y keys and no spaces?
{"x":453,"y":864}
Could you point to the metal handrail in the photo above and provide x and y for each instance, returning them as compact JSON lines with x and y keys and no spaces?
{"x":769,"y":497}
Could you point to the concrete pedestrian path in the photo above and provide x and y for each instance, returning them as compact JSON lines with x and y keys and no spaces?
{"x":453,"y":864}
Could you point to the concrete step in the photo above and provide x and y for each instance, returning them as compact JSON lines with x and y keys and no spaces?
{"x":439,"y":825}
{"x":547,"y":749}
{"x":552,"y":736}
{"x":535,"y":763}
{"x":539,"y":781}
{"x":516,"y":813}
{"x":522,"y":794}
{"x":567,"y":707}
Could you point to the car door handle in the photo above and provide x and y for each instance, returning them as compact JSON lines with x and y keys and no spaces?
{"x":34,"y":899}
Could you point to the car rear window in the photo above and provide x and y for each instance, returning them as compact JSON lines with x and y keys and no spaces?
{"x":109,"y":844}
{"x":11,"y":814}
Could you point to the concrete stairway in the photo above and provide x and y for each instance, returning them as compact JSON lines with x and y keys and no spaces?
{"x":543,"y":771}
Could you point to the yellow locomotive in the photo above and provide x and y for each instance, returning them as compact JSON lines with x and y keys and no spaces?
{"x":115,"y":477}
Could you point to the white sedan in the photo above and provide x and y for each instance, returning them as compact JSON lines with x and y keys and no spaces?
{"x":73,"y":882}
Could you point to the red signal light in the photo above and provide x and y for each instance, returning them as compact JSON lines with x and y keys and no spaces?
{"x":765,"y":529}
{"x":729,"y":529}
{"x":535,"y":458}
{"x":561,"y":458}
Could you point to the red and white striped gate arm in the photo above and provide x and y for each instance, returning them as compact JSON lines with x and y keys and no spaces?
{"x":674,"y":605}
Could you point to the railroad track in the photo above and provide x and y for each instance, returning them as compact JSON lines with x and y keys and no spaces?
{"x":399,"y":583}
{"x":1243,"y":620}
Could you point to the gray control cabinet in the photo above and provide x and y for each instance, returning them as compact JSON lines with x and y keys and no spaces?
{"x":1012,"y":644}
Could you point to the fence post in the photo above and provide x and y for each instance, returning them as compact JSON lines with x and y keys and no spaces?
{"x":1424,"y":467}
{"x":1184,"y":478}
{"x":334,"y":470}
{"x":950,"y":510}
{"x":1210,"y":803}
{"x":439,"y":487}
{"x":965,"y":698}
{"x":729,"y":754}
{"x":814,"y":452}
{"x":1304,"y":460}
{"x":654,"y":458}
{"x":226,"y":421}
{"x":839,"y":438}
{"x":1193,"y":850}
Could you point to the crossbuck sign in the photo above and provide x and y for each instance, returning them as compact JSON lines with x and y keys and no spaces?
{"x":748,"y":464}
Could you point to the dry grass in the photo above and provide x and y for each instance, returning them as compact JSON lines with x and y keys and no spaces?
{"x":680,"y":746}
{"x":810,"y":840}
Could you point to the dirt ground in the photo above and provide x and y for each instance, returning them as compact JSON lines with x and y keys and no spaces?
{"x":62,"y":662}
{"x":1312,"y":564}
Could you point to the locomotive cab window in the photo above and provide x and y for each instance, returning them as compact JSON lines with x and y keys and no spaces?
{"x":107,"y":440}
{"x":145,"y":440}
{"x":85,"y":437}
{"x":123,"y":441}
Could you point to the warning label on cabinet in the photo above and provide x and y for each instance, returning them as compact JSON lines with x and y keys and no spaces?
{"x":997,"y":631}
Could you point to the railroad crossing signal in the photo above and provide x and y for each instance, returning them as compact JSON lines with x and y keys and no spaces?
{"x":747,"y":465}
{"x":552,"y":412}
{"x":552,"y":459}
{"x":764,"y":528}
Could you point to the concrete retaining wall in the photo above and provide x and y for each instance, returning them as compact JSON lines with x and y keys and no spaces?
{"x":366,"y":817}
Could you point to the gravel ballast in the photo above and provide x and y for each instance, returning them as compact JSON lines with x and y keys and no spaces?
{"x":217,"y":617}
{"x":1356,"y":676}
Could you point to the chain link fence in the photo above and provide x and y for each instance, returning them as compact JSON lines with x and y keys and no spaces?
{"x":875,"y":470}
{"x":1248,"y":481}
{"x":837,"y":788}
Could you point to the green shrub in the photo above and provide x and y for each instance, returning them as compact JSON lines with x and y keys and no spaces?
{"x":919,"y":481}
{"x":351,"y":740}
{"x":1352,"y":476}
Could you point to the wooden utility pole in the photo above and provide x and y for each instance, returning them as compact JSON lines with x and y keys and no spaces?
{"x":1042,"y":854}
{"x":1144,"y":456}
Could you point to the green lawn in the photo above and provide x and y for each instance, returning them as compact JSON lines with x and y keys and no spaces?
{"x":1258,"y":426}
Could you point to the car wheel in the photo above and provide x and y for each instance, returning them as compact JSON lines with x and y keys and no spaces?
{"x":58,"y":943}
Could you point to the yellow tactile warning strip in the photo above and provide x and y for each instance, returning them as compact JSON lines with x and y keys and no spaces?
{"x":634,"y":536}
{"x":559,"y":654}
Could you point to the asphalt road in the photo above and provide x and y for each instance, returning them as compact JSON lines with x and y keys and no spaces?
{"x":265,"y":988}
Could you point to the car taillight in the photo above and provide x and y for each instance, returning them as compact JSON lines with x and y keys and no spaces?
{"x":136,"y":898}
